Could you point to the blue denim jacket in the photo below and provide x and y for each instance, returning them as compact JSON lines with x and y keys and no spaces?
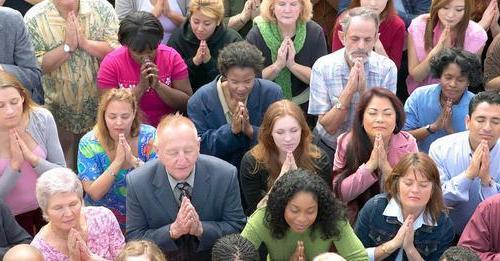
{"x":374,"y":229}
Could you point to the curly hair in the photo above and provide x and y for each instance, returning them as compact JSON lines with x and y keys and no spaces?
{"x":240,"y":54}
{"x":330,"y":210}
{"x":234,"y":247}
{"x":469,"y":63}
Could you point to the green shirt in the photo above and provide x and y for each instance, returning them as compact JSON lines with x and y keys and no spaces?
{"x":348,"y":245}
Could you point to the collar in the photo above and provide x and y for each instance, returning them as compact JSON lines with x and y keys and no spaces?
{"x":85,"y":8}
{"x":189,"y":180}
{"x":399,"y":140}
{"x":393,"y":209}
{"x":225,"y":108}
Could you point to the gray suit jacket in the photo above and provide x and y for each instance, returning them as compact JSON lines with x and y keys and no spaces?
{"x":151,"y":206}
{"x":17,"y":55}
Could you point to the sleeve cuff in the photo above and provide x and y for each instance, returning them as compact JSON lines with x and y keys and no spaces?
{"x":371,"y":253}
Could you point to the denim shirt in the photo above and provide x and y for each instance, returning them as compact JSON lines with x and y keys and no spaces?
{"x":374,"y":229}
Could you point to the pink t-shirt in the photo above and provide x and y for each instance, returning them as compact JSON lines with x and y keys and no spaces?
{"x":475,"y":38}
{"x":118,"y":69}
{"x":22,"y":198}
{"x":104,"y":237}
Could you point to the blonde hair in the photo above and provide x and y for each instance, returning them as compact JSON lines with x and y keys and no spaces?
{"x":8,"y":80}
{"x":267,"y":10}
{"x":210,"y":8}
{"x":101,"y":130}
{"x":139,"y":248}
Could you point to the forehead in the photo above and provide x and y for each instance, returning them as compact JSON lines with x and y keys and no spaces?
{"x":121,"y":106}
{"x":415,"y":174}
{"x":487,"y":110}
{"x":199,"y":15}
{"x":285,"y":122}
{"x":361,"y":27}
{"x":62,"y":198}
{"x":177,"y":136}
{"x":10,"y":92}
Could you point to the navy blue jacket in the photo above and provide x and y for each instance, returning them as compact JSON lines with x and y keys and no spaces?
{"x":374,"y":229}
{"x":217,"y":139}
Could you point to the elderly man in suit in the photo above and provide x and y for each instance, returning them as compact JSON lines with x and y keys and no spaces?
{"x":183,"y":201}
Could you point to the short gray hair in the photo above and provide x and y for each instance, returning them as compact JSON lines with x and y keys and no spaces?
{"x":363,"y":12}
{"x":56,"y":180}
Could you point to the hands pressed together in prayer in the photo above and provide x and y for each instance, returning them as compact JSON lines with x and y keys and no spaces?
{"x":286,"y":55}
{"x":480,"y":164}
{"x":202,"y":54}
{"x":240,"y":122}
{"x":187,"y":222}
{"x":378,"y":157}
{"x":19,"y":151}
{"x":75,"y":36}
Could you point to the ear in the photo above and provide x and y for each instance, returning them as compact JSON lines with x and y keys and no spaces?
{"x":341,"y":37}
{"x":467,"y":121}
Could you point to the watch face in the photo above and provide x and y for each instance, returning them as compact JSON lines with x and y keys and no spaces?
{"x":66,"y":48}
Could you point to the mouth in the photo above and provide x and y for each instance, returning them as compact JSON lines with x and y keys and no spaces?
{"x":414,"y":198}
{"x":300,"y":228}
{"x":485,"y":136}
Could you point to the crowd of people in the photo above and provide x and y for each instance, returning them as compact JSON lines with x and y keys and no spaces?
{"x":250,"y":129}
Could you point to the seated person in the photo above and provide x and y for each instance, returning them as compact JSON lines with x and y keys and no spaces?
{"x":302,"y":219}
{"x":23,"y":252}
{"x":171,"y":14}
{"x":447,"y":25}
{"x":228,"y":111}
{"x":338,"y":79}
{"x":200,"y":39}
{"x":437,"y":110}
{"x":285,"y":143}
{"x":291,"y":43}
{"x":74,"y":232}
{"x":459,"y":253}
{"x":409,"y":222}
{"x":154,"y":72}
{"x":392,"y":29}
{"x":234,"y":247}
{"x":492,"y":66}
{"x":368,"y":152}
{"x":409,"y":9}
{"x":11,"y":233}
{"x":17,"y":55}
{"x":329,"y":257}
{"x":468,"y":161}
{"x":482,"y":232}
{"x":239,"y":14}
{"x":117,"y":144}
{"x":31,"y":146}
{"x":183,"y":201}
{"x":141,"y":250}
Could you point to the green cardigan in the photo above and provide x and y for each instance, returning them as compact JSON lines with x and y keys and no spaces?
{"x":348,"y":245}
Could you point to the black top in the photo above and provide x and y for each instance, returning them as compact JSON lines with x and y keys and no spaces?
{"x":254,"y":181}
{"x":185,"y":42}
{"x":11,"y":233}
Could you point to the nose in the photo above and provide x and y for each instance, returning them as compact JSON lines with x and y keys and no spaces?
{"x":487,"y":126}
{"x":301,"y":218}
{"x":9,"y":109}
{"x":379,"y":118}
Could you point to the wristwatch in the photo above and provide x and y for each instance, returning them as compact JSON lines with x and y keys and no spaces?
{"x":66,"y":48}
{"x":429,"y":130}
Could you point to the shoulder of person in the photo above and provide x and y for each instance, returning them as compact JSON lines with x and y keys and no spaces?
{"x":214,"y":163}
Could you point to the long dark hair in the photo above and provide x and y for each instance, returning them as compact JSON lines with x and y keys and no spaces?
{"x":360,"y":146}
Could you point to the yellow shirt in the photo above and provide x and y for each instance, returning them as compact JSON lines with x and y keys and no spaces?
{"x":71,"y":90}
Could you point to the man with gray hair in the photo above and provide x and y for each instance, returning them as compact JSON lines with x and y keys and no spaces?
{"x":338,"y":79}
{"x":183,"y":201}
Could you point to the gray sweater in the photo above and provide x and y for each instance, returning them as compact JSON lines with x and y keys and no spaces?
{"x":42,"y":128}
{"x":17,"y":55}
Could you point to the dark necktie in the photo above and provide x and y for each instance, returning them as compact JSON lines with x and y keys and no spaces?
{"x":185,"y":190}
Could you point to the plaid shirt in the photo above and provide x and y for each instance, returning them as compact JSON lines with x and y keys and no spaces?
{"x":328,"y":79}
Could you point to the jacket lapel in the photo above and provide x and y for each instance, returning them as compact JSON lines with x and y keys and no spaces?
{"x":163,"y":192}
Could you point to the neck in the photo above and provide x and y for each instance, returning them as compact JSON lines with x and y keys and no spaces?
{"x":60,"y":234}
{"x":282,"y":157}
{"x":287,"y":30}
{"x":414,"y":212}
{"x":65,"y":9}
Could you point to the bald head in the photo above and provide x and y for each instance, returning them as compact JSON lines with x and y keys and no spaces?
{"x":174,"y":124}
{"x":23,"y":252}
